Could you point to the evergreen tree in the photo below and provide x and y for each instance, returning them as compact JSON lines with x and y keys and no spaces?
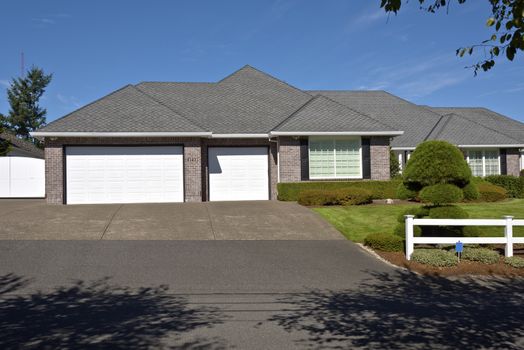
{"x":25,"y":114}
{"x":4,"y":144}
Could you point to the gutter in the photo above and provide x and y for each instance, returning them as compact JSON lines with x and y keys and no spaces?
{"x":335,"y":133}
{"x":119,"y":134}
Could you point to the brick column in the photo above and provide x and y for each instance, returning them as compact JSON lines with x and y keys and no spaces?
{"x":513,"y":161}
{"x":379,"y":154}
{"x":54,"y":173}
{"x":289,"y":159}
{"x":192,"y":171}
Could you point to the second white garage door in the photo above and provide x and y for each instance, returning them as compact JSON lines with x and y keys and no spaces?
{"x":145,"y":174}
{"x":238,"y":173}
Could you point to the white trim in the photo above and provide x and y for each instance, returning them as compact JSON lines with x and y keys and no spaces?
{"x":235,"y":136}
{"x":490,"y":146}
{"x":336,"y":133}
{"x":360,"y":176}
{"x":278,"y":160}
{"x":118,"y":134}
{"x":403,"y":148}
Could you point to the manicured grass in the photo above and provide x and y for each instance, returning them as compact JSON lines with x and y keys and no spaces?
{"x":356,"y":222}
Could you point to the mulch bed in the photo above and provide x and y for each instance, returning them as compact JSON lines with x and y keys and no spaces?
{"x":463,"y":268}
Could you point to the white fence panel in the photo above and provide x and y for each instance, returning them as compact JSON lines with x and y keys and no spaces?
{"x":508,"y":223}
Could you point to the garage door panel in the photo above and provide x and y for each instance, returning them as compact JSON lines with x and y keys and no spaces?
{"x":124,"y":174}
{"x":238,"y":173}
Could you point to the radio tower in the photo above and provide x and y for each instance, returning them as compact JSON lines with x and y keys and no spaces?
{"x":22,"y":64}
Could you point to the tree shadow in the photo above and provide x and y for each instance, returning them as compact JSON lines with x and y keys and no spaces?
{"x":100,"y":315}
{"x":403,"y":310}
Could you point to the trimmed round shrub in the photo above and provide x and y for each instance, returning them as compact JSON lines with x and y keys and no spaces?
{"x":482,"y":255}
{"x":441,"y":194}
{"x":353,"y":196}
{"x":400,"y":230}
{"x":434,"y":257}
{"x":436,"y":162}
{"x":418,"y":212}
{"x":471,"y":192}
{"x":384,"y":242}
{"x":515,"y":261}
{"x":513,"y":185}
{"x":471,"y":231}
{"x":491,"y":193}
{"x":448,"y":212}
{"x":405,"y":194}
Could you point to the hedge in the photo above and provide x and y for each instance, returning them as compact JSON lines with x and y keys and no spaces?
{"x":343,"y":196}
{"x":513,"y":185}
{"x":384,"y":242}
{"x":482,"y":255}
{"x":289,"y":191}
{"x":491,"y":193}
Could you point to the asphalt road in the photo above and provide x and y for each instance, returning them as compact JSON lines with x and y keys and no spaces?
{"x":242,"y":295}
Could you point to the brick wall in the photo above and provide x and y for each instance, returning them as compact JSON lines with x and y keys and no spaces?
{"x":379,"y":154}
{"x":54,"y":160}
{"x":513,"y":161}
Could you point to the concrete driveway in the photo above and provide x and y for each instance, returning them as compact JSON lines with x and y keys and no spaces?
{"x":256,"y":220}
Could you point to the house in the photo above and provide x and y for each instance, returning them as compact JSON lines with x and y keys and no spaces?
{"x":22,"y":173}
{"x":233,"y":140}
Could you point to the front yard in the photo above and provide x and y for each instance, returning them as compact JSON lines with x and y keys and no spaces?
{"x":356,"y":222}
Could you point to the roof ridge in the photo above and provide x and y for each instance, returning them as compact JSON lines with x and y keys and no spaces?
{"x":295,"y":112}
{"x":435,"y":127}
{"x":171,"y":109}
{"x":89,"y":104}
{"x":361,"y":113}
{"x":266,"y":74}
{"x":175,"y":82}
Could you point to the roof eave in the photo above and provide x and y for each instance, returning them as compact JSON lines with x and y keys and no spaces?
{"x":336,"y":133}
{"x":118,"y":134}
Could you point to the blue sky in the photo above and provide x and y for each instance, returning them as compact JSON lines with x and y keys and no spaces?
{"x":94,"y":47}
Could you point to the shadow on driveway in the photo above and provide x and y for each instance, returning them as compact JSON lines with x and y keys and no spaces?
{"x":402,"y":310}
{"x":99,"y":316}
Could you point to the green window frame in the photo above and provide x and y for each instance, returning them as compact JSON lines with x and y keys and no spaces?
{"x":335,"y":158}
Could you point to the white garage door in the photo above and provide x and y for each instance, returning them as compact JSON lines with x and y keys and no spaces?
{"x":238,"y":173}
{"x":145,"y":174}
{"x":22,"y":177}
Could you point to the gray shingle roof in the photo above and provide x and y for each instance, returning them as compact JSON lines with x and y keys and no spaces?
{"x":461,"y":131}
{"x":487,"y":121}
{"x":415,"y":121}
{"x":23,"y":145}
{"x":248,"y":101}
{"x":125,"y":110}
{"x":322,"y":114}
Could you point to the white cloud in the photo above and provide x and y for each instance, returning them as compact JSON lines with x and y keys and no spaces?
{"x":68,"y":101}
{"x":44,"y":21}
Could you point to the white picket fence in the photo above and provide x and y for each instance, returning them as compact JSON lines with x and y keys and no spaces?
{"x":508,"y":223}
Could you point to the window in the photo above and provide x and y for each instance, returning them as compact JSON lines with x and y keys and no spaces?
{"x":331,"y":158}
{"x":484,"y":162}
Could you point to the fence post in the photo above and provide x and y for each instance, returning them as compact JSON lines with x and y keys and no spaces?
{"x":409,"y":236}
{"x":508,"y":233}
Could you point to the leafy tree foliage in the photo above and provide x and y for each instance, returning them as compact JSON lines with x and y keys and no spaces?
{"x":394,"y":165}
{"x":506,"y":19}
{"x":4,"y":144}
{"x":25,"y":113}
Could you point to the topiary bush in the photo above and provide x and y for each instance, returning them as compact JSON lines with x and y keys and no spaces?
{"x":417,"y":212}
{"x":400,"y":230}
{"x":471,"y":192}
{"x":440,"y":194}
{"x":434,"y":257}
{"x":491,"y":193}
{"x":384,"y":242}
{"x":346,"y":196}
{"x":482,"y":255}
{"x":436,"y":162}
{"x":405,"y":194}
{"x":513,"y":185}
{"x":515,"y":261}
{"x":448,"y":212}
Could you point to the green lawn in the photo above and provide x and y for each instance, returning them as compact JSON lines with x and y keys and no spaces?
{"x":356,"y":222}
